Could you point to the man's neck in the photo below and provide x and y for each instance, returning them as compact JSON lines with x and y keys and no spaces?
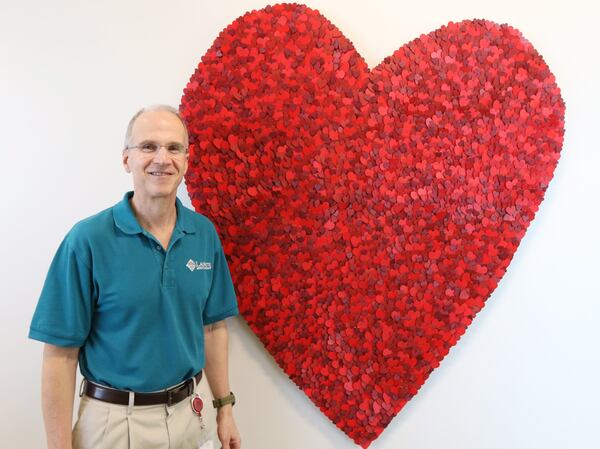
{"x":155,"y":214}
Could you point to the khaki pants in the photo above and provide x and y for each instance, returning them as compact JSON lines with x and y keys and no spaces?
{"x":101,"y":425}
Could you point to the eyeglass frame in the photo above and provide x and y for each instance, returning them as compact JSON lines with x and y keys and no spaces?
{"x":183,"y":149}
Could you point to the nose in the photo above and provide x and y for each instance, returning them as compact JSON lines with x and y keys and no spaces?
{"x":162,"y":155}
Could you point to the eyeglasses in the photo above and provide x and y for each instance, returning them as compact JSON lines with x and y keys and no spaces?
{"x":149,"y":147}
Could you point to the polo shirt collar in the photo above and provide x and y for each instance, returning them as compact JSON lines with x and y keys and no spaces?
{"x":184,"y":220}
{"x":126,"y":221}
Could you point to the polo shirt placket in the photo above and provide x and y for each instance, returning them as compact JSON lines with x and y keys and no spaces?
{"x":162,"y":257}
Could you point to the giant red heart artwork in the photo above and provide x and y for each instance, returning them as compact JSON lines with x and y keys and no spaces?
{"x":367,"y":214}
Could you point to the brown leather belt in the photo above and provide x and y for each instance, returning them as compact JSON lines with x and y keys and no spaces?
{"x":169,"y":397}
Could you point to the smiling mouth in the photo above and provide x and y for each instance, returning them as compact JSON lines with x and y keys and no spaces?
{"x":159,"y":173}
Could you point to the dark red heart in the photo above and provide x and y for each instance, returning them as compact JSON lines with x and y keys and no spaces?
{"x":367,"y":214}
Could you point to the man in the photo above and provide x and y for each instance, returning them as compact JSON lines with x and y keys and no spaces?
{"x":138,"y":295}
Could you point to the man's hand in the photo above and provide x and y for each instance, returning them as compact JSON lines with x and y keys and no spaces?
{"x":227,"y":430}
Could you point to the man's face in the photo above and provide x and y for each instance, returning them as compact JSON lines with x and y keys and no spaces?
{"x":159,"y":173}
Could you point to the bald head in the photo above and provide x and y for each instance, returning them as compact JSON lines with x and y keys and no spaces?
{"x":154,"y":108}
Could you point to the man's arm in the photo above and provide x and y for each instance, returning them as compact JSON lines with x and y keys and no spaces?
{"x":59,"y":367}
{"x":217,"y":374}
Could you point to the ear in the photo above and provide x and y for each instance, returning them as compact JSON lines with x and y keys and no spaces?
{"x":185,"y":164}
{"x":125,"y":161}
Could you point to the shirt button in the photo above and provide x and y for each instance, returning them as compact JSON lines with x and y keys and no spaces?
{"x":157,"y":247}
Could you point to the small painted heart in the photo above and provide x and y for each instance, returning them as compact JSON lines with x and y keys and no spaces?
{"x":367,"y":215}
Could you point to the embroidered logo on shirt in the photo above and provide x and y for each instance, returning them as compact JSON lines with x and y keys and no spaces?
{"x":194,"y":265}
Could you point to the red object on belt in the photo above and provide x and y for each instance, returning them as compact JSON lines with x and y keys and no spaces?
{"x":197,"y":405}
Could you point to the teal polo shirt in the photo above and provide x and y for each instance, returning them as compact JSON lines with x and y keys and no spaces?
{"x":136,"y":311}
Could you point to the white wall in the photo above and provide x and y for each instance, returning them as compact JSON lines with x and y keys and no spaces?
{"x":71,"y":74}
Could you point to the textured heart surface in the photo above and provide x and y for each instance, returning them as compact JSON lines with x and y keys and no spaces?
{"x":367,"y":215}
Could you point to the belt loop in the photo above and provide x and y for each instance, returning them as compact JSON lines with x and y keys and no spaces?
{"x":82,"y":386}
{"x":131,"y":402}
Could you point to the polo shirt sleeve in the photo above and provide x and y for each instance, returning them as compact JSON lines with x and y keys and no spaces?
{"x":221,"y":302}
{"x":63,"y":314}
